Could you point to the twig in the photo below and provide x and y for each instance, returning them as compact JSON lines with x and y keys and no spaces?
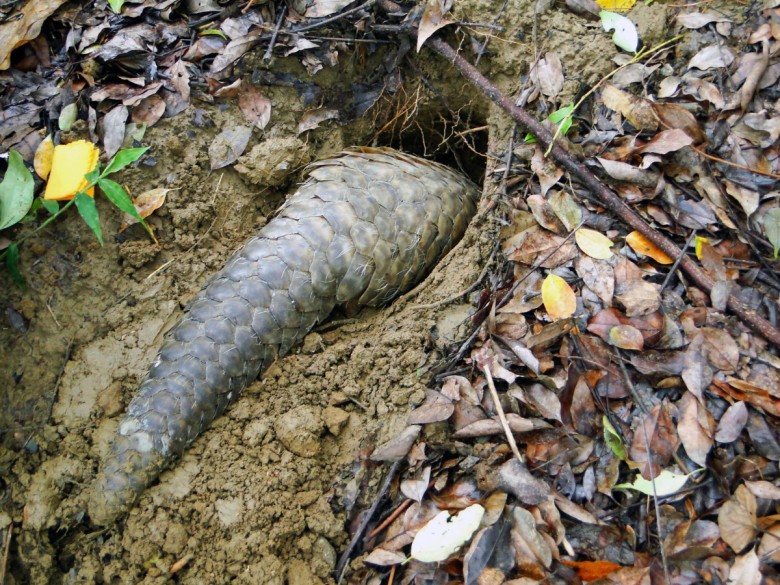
{"x":389,"y":520}
{"x":501,"y":416}
{"x":333,"y":18}
{"x":341,"y":566}
{"x":677,"y":260}
{"x":6,"y":550}
{"x":269,"y":51}
{"x":606,"y":196}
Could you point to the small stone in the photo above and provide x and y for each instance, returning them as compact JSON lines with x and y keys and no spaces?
{"x":323,"y":557}
{"x":299,"y":430}
{"x":335,"y":419}
{"x":110,"y":400}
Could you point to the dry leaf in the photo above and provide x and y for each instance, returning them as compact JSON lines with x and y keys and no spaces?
{"x":732,"y":423}
{"x":636,"y":110}
{"x":145,"y":204}
{"x":43,"y":157}
{"x":657,"y":428}
{"x":432,"y":20}
{"x":695,"y":428}
{"x":737,"y":519}
{"x":558,"y":297}
{"x":627,"y":337}
{"x":255,"y":107}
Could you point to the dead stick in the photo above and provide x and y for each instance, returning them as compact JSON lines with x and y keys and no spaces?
{"x":607,"y":198}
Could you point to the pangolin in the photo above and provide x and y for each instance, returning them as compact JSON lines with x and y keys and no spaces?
{"x":365,"y":226}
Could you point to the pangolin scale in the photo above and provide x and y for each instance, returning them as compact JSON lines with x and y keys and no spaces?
{"x":365,"y":226}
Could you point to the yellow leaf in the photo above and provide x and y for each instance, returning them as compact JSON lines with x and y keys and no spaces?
{"x":558,"y":297}
{"x":641,"y":245}
{"x":593,"y":243}
{"x":70,"y":163}
{"x":43,"y":156}
{"x":700,"y":243}
{"x":616,"y":5}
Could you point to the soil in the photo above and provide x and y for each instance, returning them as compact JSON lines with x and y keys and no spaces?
{"x":267,"y":493}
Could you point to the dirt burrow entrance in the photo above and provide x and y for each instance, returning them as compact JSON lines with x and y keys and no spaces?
{"x":264,"y":496}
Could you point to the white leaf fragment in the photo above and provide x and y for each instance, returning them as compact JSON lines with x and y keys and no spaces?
{"x":445,"y":534}
{"x":666,"y":484}
{"x":625,"y":36}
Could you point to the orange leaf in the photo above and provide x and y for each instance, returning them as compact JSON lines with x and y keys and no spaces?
{"x":558,"y":297}
{"x":641,"y":245}
{"x":70,"y":163}
{"x":592,"y":570}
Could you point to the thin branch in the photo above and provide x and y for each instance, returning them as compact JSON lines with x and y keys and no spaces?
{"x":501,"y":416}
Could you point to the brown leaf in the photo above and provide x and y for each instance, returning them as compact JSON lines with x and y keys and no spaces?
{"x":432,"y":20}
{"x":313,"y":118}
{"x":514,"y":478}
{"x":626,"y":337}
{"x":322,"y":8}
{"x":695,"y":428}
{"x":536,"y":243}
{"x":712,"y":57}
{"x":149,"y":110}
{"x":636,"y":110}
{"x":384,"y":558}
{"x":732,"y":423}
{"x":547,"y":75}
{"x":674,"y":116}
{"x":720,"y":349}
{"x":228,"y":145}
{"x":436,"y":408}
{"x":737,"y":519}
{"x":145,"y":204}
{"x":527,"y":540}
{"x":23,"y":26}
{"x":255,"y":107}
{"x":598,"y":276}
{"x":544,"y":214}
{"x":667,"y":141}
{"x":398,"y":446}
{"x":415,"y":489}
{"x":657,"y":428}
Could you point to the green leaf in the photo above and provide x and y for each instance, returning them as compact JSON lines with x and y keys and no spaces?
{"x":12,"y":263}
{"x":666,"y":484}
{"x":117,"y":195}
{"x":116,"y":5}
{"x":561,"y":117}
{"x":215,"y":32}
{"x":88,"y":211}
{"x":68,"y":117}
{"x":614,"y":440}
{"x":16,"y":191}
{"x":51,"y":206}
{"x":123,"y":158}
{"x":93,"y":176}
{"x":772,"y":228}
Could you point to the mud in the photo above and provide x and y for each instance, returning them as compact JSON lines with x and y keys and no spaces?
{"x":266,"y":494}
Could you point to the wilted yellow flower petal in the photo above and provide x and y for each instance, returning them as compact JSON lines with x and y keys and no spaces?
{"x":69,"y":165}
{"x":43,"y":156}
